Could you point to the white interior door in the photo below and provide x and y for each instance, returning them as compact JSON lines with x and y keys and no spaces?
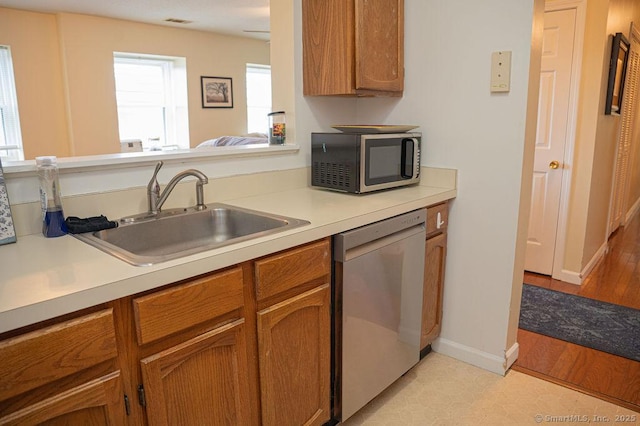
{"x":551,"y":139}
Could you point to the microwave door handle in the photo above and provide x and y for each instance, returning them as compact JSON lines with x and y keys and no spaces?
{"x":409,"y":147}
{"x":416,"y":159}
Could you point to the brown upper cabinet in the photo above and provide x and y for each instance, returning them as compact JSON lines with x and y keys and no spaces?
{"x":353,"y":47}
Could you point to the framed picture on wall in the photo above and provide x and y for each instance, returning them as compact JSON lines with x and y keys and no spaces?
{"x":217,"y":92}
{"x":617,"y":72}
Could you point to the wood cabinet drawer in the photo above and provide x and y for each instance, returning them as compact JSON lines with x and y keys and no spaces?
{"x":168,"y":311}
{"x":98,"y":402}
{"x":289,"y":269}
{"x":437,"y":218}
{"x":46,"y":355}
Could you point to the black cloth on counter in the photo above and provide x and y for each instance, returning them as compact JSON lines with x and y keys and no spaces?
{"x":76,"y":225}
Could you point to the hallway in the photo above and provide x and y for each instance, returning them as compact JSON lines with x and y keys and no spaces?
{"x":616,"y":279}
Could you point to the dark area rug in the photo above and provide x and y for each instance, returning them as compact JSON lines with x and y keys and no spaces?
{"x":586,"y":322}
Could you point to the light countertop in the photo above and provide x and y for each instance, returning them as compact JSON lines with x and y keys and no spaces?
{"x":41,"y":278}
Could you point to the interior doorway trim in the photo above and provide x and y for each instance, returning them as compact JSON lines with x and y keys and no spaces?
{"x":558,"y":272}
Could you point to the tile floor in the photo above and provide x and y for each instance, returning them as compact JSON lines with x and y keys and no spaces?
{"x":444,"y":391}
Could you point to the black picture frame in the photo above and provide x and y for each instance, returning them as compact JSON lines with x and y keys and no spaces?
{"x":217,"y":92}
{"x":617,"y":73}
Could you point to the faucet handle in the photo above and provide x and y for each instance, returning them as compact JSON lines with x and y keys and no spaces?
{"x":155,"y":173}
{"x":153,"y":189}
{"x":200,"y":195}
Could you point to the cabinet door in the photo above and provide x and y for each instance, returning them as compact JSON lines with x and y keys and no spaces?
{"x":435,"y":253}
{"x":328,"y":47}
{"x":99,"y":402}
{"x":294,"y":346}
{"x":380,"y":45}
{"x":353,"y":47}
{"x":203,"y":381}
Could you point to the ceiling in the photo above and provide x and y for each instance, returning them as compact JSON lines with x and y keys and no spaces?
{"x":246,"y":18}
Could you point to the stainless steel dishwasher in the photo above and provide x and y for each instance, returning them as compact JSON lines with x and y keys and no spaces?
{"x":379,"y":270}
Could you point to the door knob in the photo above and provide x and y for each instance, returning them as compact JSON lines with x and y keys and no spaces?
{"x":554,"y":164}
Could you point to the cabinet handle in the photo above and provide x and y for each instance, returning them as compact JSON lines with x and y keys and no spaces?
{"x":127,"y":406}
{"x":141,"y":397}
{"x":439,"y":221}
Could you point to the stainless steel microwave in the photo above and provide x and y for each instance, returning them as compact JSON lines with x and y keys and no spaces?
{"x":359,"y":162}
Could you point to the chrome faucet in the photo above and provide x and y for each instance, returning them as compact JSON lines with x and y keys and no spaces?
{"x":156,"y":199}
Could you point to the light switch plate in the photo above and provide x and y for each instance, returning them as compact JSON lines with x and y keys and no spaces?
{"x":501,"y":71}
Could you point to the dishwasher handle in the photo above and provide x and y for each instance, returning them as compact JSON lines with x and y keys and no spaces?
{"x":364,"y":235}
{"x":380,"y":242}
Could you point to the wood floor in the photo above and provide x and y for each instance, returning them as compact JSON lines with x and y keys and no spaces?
{"x":616,"y":279}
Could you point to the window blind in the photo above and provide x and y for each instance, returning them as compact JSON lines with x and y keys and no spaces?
{"x":10,"y":136}
{"x":152,"y":100}
{"x":258,"y":97}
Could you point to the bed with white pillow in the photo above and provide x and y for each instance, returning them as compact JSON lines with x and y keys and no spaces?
{"x":250,"y":139}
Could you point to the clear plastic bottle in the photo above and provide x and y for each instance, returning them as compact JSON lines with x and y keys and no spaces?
{"x":277,"y":128}
{"x":53,"y":224}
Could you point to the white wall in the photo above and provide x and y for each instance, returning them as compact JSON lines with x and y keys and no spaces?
{"x":448,"y":46}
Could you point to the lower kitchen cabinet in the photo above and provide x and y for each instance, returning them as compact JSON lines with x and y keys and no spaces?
{"x":193,"y":355}
{"x":246,"y":345}
{"x":202,"y":381}
{"x":98,"y":402}
{"x":64,"y":372}
{"x":294,"y":335}
{"x":434,"y":265}
{"x":294,"y":343}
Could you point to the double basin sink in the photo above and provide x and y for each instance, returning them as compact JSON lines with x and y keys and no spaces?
{"x":150,"y":239}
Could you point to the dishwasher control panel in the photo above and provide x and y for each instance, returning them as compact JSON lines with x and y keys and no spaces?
{"x":374,"y":231}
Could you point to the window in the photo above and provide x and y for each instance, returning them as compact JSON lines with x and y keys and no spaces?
{"x":10,"y":136}
{"x":258,"y":98}
{"x":151,"y":93}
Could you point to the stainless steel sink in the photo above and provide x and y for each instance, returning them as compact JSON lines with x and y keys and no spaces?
{"x":150,"y":239}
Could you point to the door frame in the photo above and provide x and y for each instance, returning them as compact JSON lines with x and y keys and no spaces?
{"x":558,"y":271}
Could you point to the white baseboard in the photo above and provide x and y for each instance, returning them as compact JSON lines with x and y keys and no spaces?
{"x":511,"y":355}
{"x":567,"y":276}
{"x":632,"y":212}
{"x":473,"y":356}
{"x":577,"y":278}
{"x":594,"y":260}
